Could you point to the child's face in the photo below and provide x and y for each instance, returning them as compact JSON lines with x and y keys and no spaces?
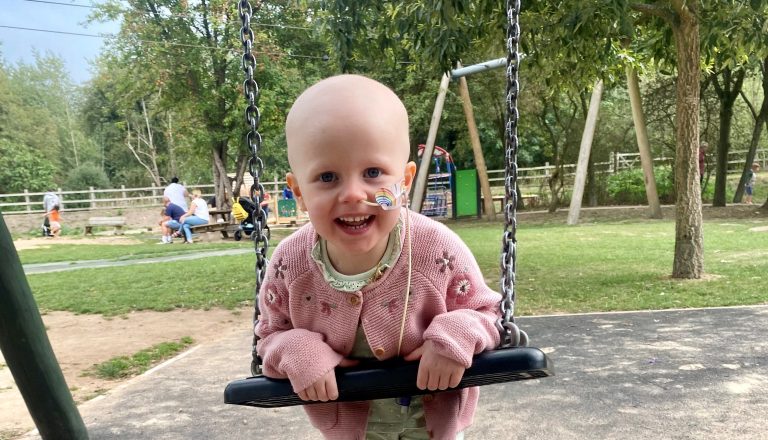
{"x":342,"y":159}
{"x":335,"y":175}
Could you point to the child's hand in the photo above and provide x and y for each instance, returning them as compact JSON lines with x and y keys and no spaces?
{"x":325,"y":388}
{"x":436,"y":372}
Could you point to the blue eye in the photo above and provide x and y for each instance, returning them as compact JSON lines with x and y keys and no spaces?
{"x":372,"y":173}
{"x":327,"y":177}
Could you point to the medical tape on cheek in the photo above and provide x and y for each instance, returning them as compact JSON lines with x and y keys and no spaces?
{"x":388,"y":198}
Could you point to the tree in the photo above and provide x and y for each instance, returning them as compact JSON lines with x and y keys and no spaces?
{"x":683,"y":19}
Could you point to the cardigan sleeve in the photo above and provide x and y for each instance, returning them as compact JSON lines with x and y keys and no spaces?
{"x":298,"y":354}
{"x":468,"y":327}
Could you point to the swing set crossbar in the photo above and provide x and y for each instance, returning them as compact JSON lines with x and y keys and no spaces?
{"x":394,"y":378}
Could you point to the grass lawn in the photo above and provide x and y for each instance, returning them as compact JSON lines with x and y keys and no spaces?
{"x":146,"y":247}
{"x":592,"y":267}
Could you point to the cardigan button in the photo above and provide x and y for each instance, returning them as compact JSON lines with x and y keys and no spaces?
{"x":354,"y":300}
{"x":379,"y":351}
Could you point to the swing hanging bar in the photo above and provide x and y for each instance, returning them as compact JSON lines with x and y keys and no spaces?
{"x":511,"y":361}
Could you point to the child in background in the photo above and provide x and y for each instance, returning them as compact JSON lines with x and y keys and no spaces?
{"x":749,"y":188}
{"x":368,"y":278}
{"x":54,"y":217}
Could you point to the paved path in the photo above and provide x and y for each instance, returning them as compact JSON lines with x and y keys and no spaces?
{"x":88,"y":264}
{"x":686,"y":374}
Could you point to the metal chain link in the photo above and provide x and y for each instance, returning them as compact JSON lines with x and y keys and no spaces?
{"x":511,"y":335}
{"x":255,"y":164}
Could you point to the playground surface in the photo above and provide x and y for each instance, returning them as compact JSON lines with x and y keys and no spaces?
{"x":675,"y":374}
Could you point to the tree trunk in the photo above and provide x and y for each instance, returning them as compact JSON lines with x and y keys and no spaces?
{"x":171,"y":148}
{"x":477,"y":149}
{"x":584,"y":152}
{"x":761,"y":118}
{"x":689,"y":255}
{"x":641,"y":133}
{"x":727,"y":94}
{"x":221,"y":182}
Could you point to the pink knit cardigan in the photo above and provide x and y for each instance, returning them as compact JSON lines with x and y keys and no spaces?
{"x":306,"y":326}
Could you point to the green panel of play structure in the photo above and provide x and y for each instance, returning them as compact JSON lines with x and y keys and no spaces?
{"x":467,"y":193}
{"x":286,"y":208}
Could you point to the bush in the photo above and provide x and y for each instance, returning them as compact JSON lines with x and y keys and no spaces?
{"x":85,"y":176}
{"x":627,"y":187}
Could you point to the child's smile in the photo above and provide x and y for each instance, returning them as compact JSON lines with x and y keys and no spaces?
{"x":355,"y":224}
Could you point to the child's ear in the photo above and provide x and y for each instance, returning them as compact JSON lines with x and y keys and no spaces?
{"x":293,"y":183}
{"x":410,"y":173}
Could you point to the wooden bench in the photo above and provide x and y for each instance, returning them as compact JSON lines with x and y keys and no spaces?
{"x":115,"y":222}
{"x":224,"y":228}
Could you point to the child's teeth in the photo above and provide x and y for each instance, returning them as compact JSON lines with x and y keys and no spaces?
{"x":354,"y":219}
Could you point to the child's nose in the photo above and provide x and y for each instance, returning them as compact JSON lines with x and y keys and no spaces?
{"x":353,"y":191}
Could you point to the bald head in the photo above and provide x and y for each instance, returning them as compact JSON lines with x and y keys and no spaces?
{"x":351,"y":106}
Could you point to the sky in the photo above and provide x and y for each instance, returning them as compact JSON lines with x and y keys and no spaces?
{"x":18,"y":45}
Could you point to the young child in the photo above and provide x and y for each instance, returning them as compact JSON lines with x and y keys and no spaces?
{"x":55,"y":220}
{"x":749,"y":188}
{"x":367,"y":278}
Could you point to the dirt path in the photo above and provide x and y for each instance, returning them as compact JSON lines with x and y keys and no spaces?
{"x":80,"y":341}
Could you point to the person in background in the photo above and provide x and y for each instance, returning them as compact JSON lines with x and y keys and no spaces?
{"x":749,"y":187}
{"x":54,"y":218}
{"x":196,"y":215}
{"x":177,"y":193}
{"x":170,"y":222}
{"x":50,"y":199}
{"x":287,"y":193}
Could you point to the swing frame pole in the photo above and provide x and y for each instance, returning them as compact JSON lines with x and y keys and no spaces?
{"x":29,"y":354}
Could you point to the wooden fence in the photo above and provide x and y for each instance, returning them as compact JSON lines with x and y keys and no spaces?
{"x":532,"y":181}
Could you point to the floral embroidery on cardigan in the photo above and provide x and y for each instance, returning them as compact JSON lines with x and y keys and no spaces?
{"x":461,"y":290}
{"x":273,"y":299}
{"x":392,"y":306}
{"x":325,"y":308}
{"x":280,"y":269}
{"x":446,"y":262}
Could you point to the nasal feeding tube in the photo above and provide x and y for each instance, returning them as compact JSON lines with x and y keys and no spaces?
{"x":388,"y":199}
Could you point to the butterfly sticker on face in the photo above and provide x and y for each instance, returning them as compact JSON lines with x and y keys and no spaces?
{"x":390,"y":198}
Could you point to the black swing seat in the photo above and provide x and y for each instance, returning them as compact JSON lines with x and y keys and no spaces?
{"x":394,"y":378}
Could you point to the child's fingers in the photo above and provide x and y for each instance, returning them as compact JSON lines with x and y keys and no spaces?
{"x":331,"y":389}
{"x":422,"y":377}
{"x":303,"y":395}
{"x":311,"y":392}
{"x":415,"y":354}
{"x":456,"y":378}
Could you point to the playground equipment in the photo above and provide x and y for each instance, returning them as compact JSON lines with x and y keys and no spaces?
{"x":439,"y":199}
{"x":508,"y":362}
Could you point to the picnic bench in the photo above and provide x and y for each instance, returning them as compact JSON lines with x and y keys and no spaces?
{"x":221,"y":221}
{"x":116,"y":222}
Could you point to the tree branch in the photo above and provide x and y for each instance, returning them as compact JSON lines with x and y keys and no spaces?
{"x":654,"y":10}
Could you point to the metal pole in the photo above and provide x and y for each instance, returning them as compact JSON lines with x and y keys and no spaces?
{"x":477,"y":68}
{"x":28,"y":352}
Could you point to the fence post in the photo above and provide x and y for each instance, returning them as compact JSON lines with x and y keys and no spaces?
{"x":611,"y":159}
{"x":546,"y":169}
{"x":26,"y":199}
{"x":61,"y":198}
{"x":124,"y":194}
{"x":154,"y":194}
{"x":92,"y":197}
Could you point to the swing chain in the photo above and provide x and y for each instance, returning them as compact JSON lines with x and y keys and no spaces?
{"x":255,"y":164}
{"x":511,"y":335}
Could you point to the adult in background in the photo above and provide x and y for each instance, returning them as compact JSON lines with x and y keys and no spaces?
{"x":50,"y":199}
{"x":196,"y":215}
{"x":177,"y":193}
{"x":171,"y":220}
